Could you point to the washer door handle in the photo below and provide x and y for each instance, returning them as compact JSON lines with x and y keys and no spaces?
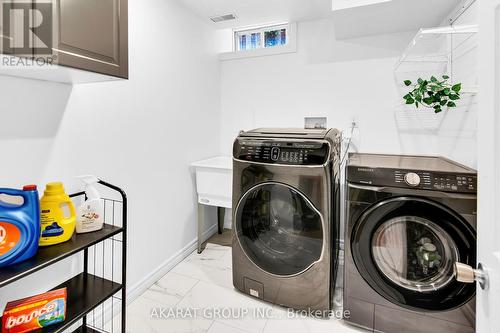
{"x":466,"y":274}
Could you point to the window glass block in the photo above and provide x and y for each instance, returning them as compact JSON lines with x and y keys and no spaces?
{"x":243,"y":42}
{"x":260,"y":38}
{"x":275,"y":37}
{"x":255,"y":40}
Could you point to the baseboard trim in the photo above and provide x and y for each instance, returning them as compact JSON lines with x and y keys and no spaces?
{"x":140,"y":287}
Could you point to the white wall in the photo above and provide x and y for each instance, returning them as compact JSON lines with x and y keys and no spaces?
{"x":343,"y":80}
{"x":140,"y":134}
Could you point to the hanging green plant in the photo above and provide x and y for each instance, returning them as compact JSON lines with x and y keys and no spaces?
{"x":433,"y":93}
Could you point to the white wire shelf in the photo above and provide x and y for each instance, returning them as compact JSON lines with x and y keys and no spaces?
{"x":433,"y":51}
{"x":437,"y":45}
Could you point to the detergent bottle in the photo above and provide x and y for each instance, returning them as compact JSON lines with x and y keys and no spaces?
{"x":58,"y":224}
{"x":19,"y":226}
{"x":90,"y":215}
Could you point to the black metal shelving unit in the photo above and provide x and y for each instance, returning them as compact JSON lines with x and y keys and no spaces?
{"x":91,"y":294}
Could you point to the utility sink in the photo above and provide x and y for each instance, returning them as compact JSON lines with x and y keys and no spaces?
{"x":214,"y":177}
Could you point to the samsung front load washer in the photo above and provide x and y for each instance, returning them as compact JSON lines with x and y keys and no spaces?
{"x":285,"y":216}
{"x":409,"y":220}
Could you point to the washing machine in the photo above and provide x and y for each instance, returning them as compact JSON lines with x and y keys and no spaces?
{"x":410,"y":219}
{"x":286,"y":215}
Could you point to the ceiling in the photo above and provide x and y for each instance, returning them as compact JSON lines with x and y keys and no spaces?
{"x":343,"y":4}
{"x":392,"y":16}
{"x":255,"y":12}
{"x":365,"y":17}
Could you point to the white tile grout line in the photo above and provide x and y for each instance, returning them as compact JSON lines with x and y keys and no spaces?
{"x":209,"y":282}
{"x":265,"y":325}
{"x":188,"y":292}
{"x":215,"y":285}
{"x":141,"y":286}
{"x":236,"y":327}
{"x":209,"y":327}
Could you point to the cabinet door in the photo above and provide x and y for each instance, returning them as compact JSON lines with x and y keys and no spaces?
{"x":91,"y":35}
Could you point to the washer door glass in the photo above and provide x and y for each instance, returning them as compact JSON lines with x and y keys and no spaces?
{"x":405,"y":248}
{"x":279,"y":229}
{"x":414,"y":253}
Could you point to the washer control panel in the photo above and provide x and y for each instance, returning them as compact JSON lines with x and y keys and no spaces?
{"x":436,"y":181}
{"x":281,"y":152}
{"x":417,"y":179}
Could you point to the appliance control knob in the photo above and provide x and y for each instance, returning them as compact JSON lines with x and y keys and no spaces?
{"x":412,"y":179}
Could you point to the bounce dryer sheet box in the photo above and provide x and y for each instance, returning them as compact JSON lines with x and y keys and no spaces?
{"x":35,"y":312}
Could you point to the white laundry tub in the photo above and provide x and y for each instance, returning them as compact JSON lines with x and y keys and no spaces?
{"x":214,"y":178}
{"x":214,"y":181}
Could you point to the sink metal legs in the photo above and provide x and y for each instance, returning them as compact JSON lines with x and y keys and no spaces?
{"x":200,"y":226}
{"x":201,"y":223}
{"x":220,"y":219}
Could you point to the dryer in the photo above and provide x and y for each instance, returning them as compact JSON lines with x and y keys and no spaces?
{"x":286,"y":215}
{"x":409,"y":220}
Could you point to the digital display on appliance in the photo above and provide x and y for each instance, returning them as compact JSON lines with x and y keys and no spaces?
{"x":294,"y":153}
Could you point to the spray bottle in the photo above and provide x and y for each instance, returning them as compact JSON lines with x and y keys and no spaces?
{"x":90,"y":216}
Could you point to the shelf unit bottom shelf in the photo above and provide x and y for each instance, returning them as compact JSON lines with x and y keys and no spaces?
{"x":87,"y":329}
{"x":85,"y":293}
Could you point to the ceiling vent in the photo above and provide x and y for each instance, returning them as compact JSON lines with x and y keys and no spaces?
{"x":222,"y":18}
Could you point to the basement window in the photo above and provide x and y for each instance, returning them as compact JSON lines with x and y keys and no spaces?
{"x":261,"y":38}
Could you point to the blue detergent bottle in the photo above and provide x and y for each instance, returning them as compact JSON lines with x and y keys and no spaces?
{"x":19,"y":226}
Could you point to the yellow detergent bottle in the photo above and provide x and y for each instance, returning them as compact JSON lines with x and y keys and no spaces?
{"x":57,"y":226}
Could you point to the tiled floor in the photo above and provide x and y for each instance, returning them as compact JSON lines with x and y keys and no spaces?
{"x":188,"y":297}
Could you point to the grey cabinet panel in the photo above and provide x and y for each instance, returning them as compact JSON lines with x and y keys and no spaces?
{"x":92,"y":35}
{"x":85,"y":38}
{"x":90,"y":26}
